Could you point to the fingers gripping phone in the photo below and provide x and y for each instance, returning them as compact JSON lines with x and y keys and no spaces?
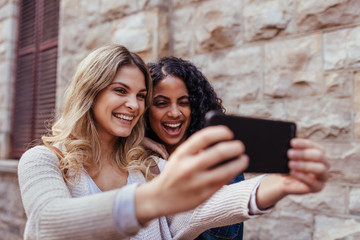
{"x":266,"y":141}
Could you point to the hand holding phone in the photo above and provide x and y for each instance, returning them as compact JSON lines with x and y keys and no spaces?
{"x":266,"y":141}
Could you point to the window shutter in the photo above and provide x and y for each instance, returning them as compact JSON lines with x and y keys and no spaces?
{"x":46,"y":91}
{"x":35,"y":87}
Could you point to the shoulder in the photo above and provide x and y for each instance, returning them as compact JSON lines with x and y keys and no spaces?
{"x":36,"y":157}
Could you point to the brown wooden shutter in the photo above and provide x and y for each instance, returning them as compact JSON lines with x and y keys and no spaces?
{"x":35,"y":87}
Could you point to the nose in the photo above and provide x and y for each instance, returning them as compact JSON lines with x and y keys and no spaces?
{"x":174,"y":112}
{"x":132,"y":103}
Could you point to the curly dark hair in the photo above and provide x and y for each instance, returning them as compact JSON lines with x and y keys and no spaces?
{"x":202,"y":96}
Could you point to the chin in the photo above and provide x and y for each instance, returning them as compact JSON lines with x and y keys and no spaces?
{"x":124,"y":134}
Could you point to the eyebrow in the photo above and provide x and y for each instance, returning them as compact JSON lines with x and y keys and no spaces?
{"x":167,"y":98}
{"x":127,"y":87}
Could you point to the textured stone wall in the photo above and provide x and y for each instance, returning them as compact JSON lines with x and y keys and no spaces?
{"x":295,"y":60}
{"x":281,"y":59}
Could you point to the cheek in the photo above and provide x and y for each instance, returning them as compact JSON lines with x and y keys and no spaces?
{"x":154,"y":115}
{"x":187,"y":113}
{"x":142,"y":108}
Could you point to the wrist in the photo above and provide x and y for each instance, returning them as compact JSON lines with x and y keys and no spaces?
{"x":270,"y":191}
{"x":146,"y":203}
{"x":144,"y":207}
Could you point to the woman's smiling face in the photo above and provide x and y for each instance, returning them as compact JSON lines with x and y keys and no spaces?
{"x":118,"y":107}
{"x":169,"y":114}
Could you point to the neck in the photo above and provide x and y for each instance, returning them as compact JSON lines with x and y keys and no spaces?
{"x":170,"y":148}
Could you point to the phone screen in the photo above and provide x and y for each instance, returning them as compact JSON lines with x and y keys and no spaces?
{"x":266,"y":141}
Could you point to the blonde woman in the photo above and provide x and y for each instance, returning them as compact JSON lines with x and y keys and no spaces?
{"x":91,"y":180}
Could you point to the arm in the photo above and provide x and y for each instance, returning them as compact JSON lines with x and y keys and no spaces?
{"x":189,"y":179}
{"x":308,"y":174}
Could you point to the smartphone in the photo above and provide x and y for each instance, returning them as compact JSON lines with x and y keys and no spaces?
{"x":266,"y":141}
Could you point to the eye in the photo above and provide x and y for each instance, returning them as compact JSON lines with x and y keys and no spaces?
{"x":141,"y":95}
{"x":184,"y":103}
{"x":160,"y":103}
{"x":120,"y":90}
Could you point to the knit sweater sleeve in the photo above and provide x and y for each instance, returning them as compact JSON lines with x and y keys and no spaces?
{"x":52,"y":212}
{"x":228,"y":206}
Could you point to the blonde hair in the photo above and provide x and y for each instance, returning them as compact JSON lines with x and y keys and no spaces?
{"x":75,"y":132}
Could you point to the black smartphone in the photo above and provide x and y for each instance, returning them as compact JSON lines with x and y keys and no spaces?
{"x":266,"y":141}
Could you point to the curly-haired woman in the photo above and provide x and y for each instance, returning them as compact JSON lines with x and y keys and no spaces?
{"x":182,"y":97}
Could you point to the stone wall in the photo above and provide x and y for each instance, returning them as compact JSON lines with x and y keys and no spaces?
{"x":281,"y":59}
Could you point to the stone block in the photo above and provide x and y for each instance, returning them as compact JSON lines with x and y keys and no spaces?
{"x":344,"y":161}
{"x":293,"y":68}
{"x":333,"y":198}
{"x":134,"y":32}
{"x":112,"y":9}
{"x":342,"y":49}
{"x":238,"y":62}
{"x":339,"y":84}
{"x":234,"y":74}
{"x":93,"y":40}
{"x":267,"y":19}
{"x":268,"y":109}
{"x":322,"y":118}
{"x":9,"y":10}
{"x":4,"y":145}
{"x":354,"y":201}
{"x":356,"y":100}
{"x":72,"y":37}
{"x":234,"y":90}
{"x":311,"y":15}
{"x":217,"y":25}
{"x":144,"y":4}
{"x":5,"y":121}
{"x":70,"y":11}
{"x":182,"y":37}
{"x":180,"y":3}
{"x":288,"y":208}
{"x":5,"y":71}
{"x":3,"y":46}
{"x":67,"y":66}
{"x":7,"y":32}
{"x":8,"y":53}
{"x":94,"y":8}
{"x":268,"y":228}
{"x":3,"y":2}
{"x":140,"y":32}
{"x":13,"y":219}
{"x":6,"y":95}
{"x":327,"y":227}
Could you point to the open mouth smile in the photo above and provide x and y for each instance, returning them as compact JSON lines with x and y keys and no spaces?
{"x":172,"y":129}
{"x":124,"y":117}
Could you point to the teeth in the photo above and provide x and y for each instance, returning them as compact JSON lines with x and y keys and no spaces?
{"x":122,"y":116}
{"x":172,"y":125}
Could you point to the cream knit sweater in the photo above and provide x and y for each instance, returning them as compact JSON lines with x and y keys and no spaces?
{"x":56,"y":210}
